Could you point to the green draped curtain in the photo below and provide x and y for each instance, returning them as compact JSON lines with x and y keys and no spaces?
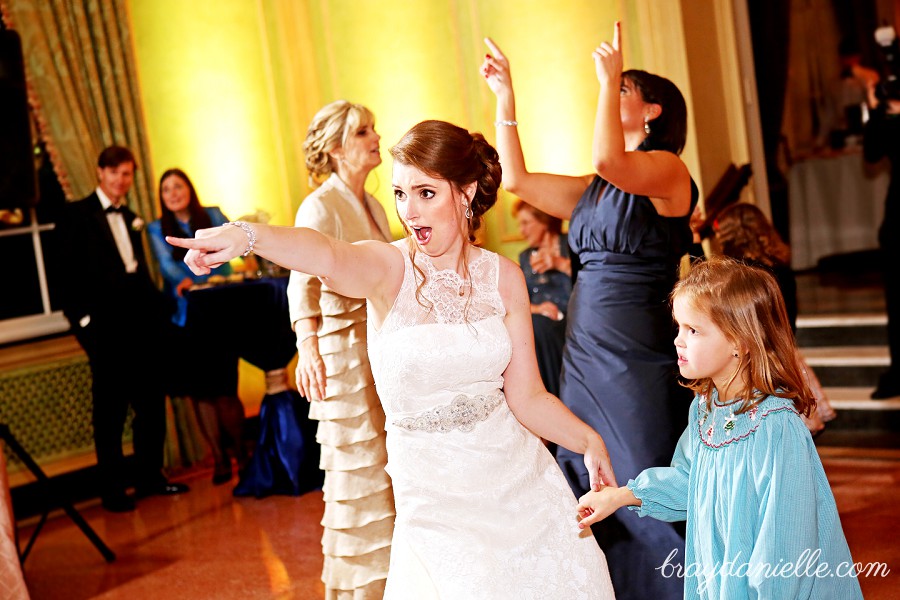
{"x":82,"y":87}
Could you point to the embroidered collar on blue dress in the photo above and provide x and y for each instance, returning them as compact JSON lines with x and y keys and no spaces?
{"x":722,"y":426}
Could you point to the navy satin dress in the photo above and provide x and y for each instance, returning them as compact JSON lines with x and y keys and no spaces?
{"x":620,"y":367}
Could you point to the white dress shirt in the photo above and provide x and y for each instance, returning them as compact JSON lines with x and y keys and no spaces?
{"x":120,"y":233}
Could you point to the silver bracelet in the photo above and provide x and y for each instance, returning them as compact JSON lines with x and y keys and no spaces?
{"x":505,"y":123}
{"x":251,"y":235}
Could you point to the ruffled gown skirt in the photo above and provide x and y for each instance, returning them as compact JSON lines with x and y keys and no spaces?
{"x":359,"y":504}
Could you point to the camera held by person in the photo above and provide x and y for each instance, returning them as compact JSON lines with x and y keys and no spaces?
{"x":888,"y":87}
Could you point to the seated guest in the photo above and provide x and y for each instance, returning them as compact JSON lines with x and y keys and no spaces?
{"x":120,"y":319}
{"x":548,"y":274}
{"x":742,"y":231}
{"x":215,"y":399}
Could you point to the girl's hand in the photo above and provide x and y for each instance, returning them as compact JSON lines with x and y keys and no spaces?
{"x":495,"y":70}
{"x":608,"y":59}
{"x":597,"y":505}
{"x":211,"y":248}
{"x":596,"y":459}
{"x":310,"y":371}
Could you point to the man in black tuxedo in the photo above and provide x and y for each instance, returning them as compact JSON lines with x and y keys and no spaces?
{"x":120,"y":318}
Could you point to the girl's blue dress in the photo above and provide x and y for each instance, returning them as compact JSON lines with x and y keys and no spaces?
{"x":761,"y":518}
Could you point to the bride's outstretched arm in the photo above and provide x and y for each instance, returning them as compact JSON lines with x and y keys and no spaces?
{"x":554,"y":194}
{"x":534,"y":407}
{"x":366,"y":269}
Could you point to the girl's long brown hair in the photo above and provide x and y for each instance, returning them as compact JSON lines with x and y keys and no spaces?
{"x":745,"y":303}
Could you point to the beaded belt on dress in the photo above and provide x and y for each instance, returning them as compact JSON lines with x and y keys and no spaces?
{"x":463,"y":413}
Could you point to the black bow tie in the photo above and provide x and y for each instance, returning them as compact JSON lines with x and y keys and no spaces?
{"x":112,"y":208}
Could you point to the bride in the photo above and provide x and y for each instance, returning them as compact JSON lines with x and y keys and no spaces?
{"x":483,"y":511}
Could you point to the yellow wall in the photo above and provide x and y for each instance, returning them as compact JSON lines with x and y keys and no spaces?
{"x":230,"y":85}
{"x":206,"y":101}
{"x":207,"y":108}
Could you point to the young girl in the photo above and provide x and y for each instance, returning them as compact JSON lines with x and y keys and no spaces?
{"x":761,"y":519}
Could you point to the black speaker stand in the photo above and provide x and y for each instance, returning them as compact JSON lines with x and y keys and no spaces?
{"x":7,"y":436}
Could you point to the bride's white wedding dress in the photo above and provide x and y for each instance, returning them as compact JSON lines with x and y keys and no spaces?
{"x":483,"y":511}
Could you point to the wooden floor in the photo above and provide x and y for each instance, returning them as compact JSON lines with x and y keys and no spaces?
{"x":208,"y":545}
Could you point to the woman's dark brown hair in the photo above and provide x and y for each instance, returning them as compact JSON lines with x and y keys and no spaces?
{"x":744,"y":232}
{"x":199,"y":219}
{"x":668,"y":131}
{"x":444,"y":151}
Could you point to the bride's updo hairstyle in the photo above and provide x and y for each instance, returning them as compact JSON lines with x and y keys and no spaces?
{"x":329,"y":129}
{"x":444,"y":151}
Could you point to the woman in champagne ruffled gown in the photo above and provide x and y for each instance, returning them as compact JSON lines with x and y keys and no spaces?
{"x":483,"y":511}
{"x":342,"y":147}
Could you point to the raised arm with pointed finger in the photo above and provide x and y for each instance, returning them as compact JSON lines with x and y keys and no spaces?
{"x":628,"y":227}
{"x":627,"y":114}
{"x":556,"y":195}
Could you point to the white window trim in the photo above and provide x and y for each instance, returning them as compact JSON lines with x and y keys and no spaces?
{"x":47,"y":322}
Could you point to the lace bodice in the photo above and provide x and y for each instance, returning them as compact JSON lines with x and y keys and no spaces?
{"x":452,"y":342}
{"x":446,"y":296}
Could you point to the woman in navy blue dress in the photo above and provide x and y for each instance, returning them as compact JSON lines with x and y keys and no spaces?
{"x":629,"y":227}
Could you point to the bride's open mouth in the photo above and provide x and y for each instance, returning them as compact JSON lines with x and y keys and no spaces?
{"x":423,"y":234}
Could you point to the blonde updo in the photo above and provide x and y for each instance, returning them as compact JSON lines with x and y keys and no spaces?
{"x":329,"y":129}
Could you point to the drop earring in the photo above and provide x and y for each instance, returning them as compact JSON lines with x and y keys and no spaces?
{"x":647,"y":125}
{"x":469,"y":213}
